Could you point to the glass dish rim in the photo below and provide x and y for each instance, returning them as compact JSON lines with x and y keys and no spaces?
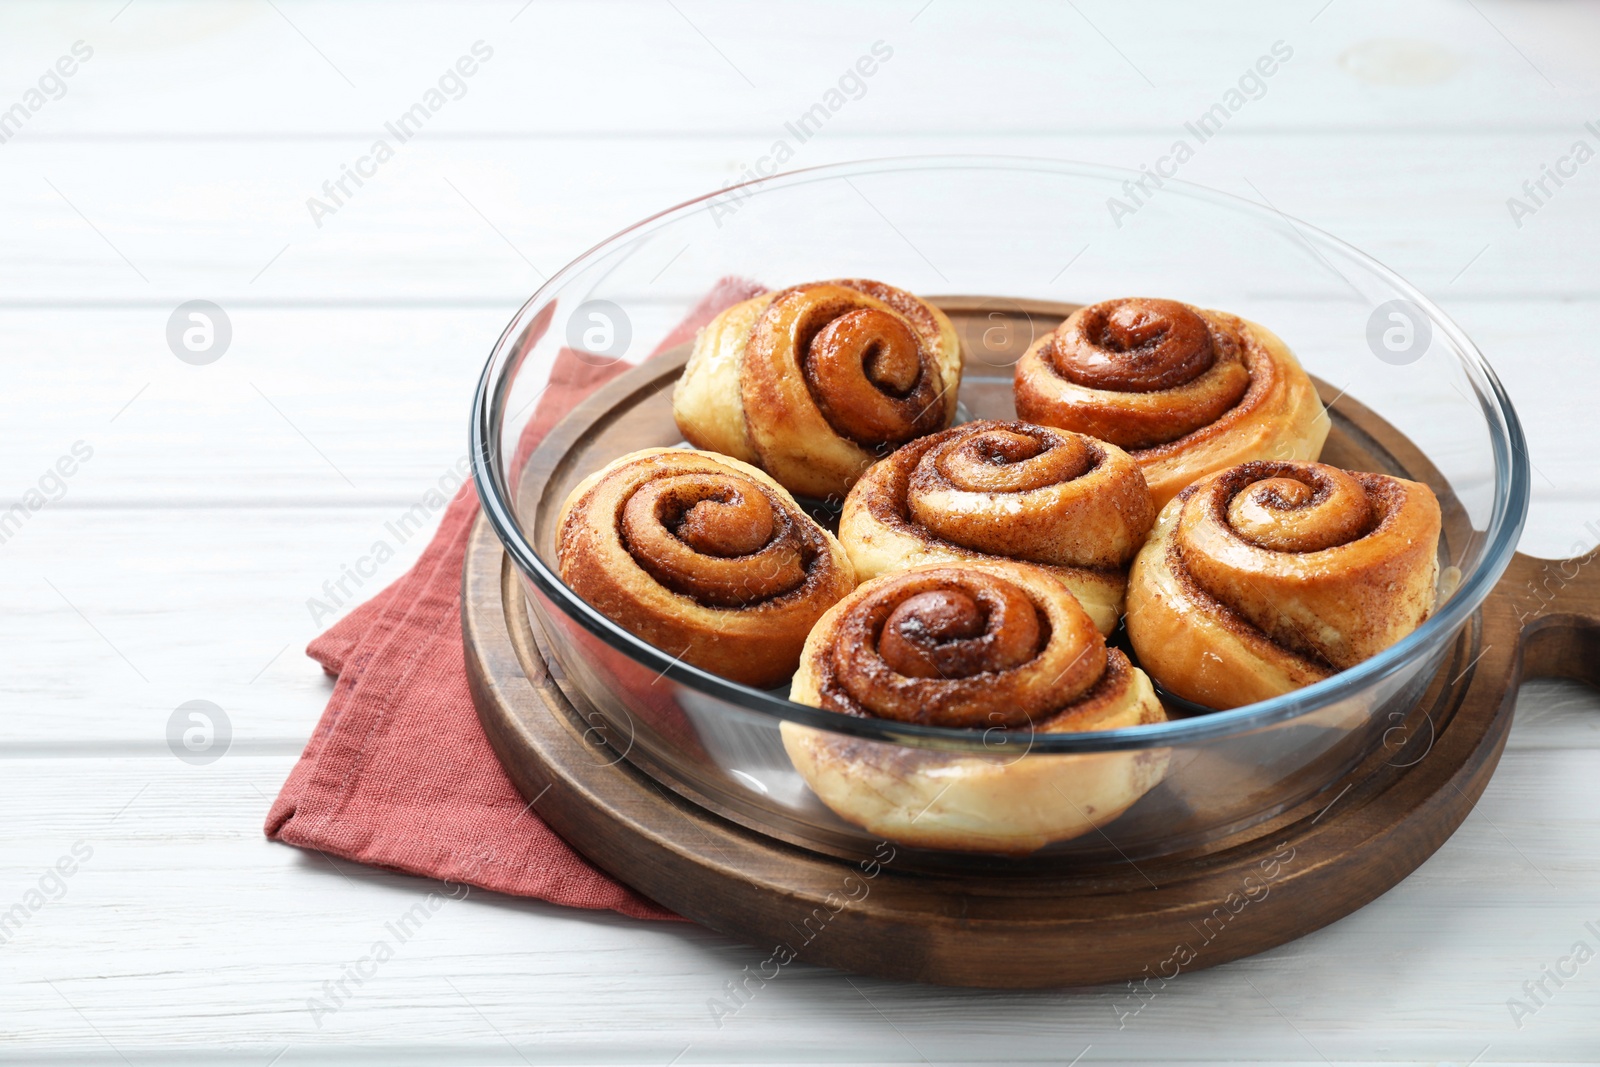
{"x":1509,"y":513}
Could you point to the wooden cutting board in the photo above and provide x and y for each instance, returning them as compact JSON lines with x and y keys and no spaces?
{"x":1076,"y":925}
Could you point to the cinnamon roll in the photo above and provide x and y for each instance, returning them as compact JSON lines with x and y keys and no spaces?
{"x":1270,"y":576}
{"x":704,"y":557}
{"x":1186,"y":391}
{"x":814,"y":383}
{"x":1078,"y":506}
{"x":998,"y":648}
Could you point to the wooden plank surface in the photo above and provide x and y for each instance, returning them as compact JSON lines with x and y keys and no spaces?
{"x":179,"y":560}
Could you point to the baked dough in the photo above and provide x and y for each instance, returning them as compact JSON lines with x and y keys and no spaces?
{"x":704,"y":557}
{"x":998,"y":648}
{"x":1185,"y":391}
{"x":816,"y":382}
{"x":1012,"y":490}
{"x":1268,"y":577}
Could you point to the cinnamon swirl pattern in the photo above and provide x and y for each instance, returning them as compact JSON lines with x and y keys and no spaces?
{"x":1270,"y":576}
{"x":704,"y":557}
{"x":815,"y":382}
{"x":1186,"y":391}
{"x":999,"y":648}
{"x":1011,"y":490}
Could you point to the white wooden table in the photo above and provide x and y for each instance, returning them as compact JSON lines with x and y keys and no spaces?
{"x":176,"y":562}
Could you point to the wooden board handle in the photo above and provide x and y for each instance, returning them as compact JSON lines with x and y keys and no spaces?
{"x":1557,"y":606}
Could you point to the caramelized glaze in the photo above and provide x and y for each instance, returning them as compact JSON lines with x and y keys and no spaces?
{"x":1269,"y":576}
{"x":703,"y":556}
{"x":815,"y":382}
{"x":1184,"y":390}
{"x":951,"y":644}
{"x":1007,"y":490}
{"x":961,"y":646}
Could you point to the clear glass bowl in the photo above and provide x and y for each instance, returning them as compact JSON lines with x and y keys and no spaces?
{"x":1009,"y":233}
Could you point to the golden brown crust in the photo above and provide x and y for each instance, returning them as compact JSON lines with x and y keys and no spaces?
{"x":1023,"y":651}
{"x":704,"y":557}
{"x":817,"y":381}
{"x":1267,"y":577}
{"x":705,"y":401}
{"x":1008,"y":490}
{"x":1186,"y":391}
{"x":1013,"y":800}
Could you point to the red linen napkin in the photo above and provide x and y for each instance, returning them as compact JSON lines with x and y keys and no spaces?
{"x":398,"y":773}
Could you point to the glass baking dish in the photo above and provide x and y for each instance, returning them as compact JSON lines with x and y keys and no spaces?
{"x":1023,"y":241}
